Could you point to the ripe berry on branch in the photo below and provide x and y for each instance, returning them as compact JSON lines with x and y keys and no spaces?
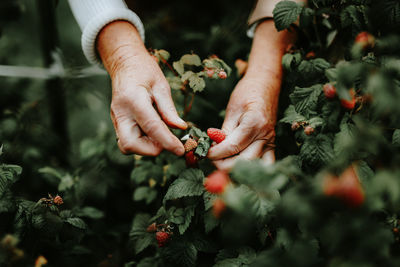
{"x":190,"y":144}
{"x":210,"y":73}
{"x":191,"y":159}
{"x":349,"y":104}
{"x":152,"y":228}
{"x":365,"y":40}
{"x":216,"y":135}
{"x":329,"y":91}
{"x":58,"y":200}
{"x":310,"y":55}
{"x":295,"y":126}
{"x":222,"y":74}
{"x":162,"y":238}
{"x":216,"y":182}
{"x":309,"y":130}
{"x":346,"y":187}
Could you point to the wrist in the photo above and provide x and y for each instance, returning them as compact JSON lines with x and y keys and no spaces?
{"x":117,"y":42}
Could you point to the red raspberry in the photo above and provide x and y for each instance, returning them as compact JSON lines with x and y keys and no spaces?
{"x":216,"y":135}
{"x":329,"y":91}
{"x":190,"y":144}
{"x":162,"y":238}
{"x":222,"y":74}
{"x":191,"y":159}
{"x":310,"y":55}
{"x":349,"y":104}
{"x":210,"y":73}
{"x":58,"y":200}
{"x":365,"y":40}
{"x":346,"y":187}
{"x":309,"y":130}
{"x":152,"y":228}
{"x":218,"y":208}
{"x":216,"y":182}
{"x":295,"y":126}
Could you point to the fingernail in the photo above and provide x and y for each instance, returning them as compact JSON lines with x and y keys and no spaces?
{"x":182,"y":122}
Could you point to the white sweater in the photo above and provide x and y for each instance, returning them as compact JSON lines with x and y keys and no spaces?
{"x":93,"y":15}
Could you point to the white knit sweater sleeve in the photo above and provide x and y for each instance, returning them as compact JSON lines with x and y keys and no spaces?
{"x":93,"y":15}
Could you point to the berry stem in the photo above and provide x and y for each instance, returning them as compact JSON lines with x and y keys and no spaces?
{"x":188,"y":106}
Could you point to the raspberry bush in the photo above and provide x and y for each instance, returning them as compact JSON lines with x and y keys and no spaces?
{"x":331,"y":199}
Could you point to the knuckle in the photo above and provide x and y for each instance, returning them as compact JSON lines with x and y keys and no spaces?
{"x":126,"y":148}
{"x":151,"y":125}
{"x":235,"y":148}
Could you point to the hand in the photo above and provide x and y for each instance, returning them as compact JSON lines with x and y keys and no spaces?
{"x":141,"y":94}
{"x":251,"y":112}
{"x":249,"y":123}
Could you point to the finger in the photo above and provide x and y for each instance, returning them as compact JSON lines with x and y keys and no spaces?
{"x":166,"y":107}
{"x":152,"y":125}
{"x":253,"y":151}
{"x":269,"y":157}
{"x":231,"y":121}
{"x":234,"y":143}
{"x":130,"y":139}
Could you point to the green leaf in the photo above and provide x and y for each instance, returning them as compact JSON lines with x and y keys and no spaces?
{"x":203,"y":145}
{"x":313,"y":68}
{"x":285,"y":13}
{"x":145,"y":193}
{"x":77,"y":223}
{"x":179,"y":67}
{"x":396,"y":138}
{"x":331,"y":74}
{"x":90,"y":212}
{"x":162,"y":54}
{"x":317,"y":150}
{"x":209,"y":200}
{"x":138,"y":234}
{"x":17,"y":170}
{"x":292,"y":116}
{"x":210,"y":222}
{"x":175,"y":82}
{"x":197,"y":133}
{"x":51,"y":171}
{"x":344,"y":138}
{"x":189,"y":183}
{"x":188,"y":214}
{"x":305,"y":100}
{"x":67,"y":182}
{"x":316,"y":122}
{"x":235,"y":262}
{"x":91,"y":147}
{"x":181,"y":253}
{"x":196,"y":82}
{"x":191,"y":59}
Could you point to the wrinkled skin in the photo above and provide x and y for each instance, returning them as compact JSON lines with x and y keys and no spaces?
{"x":138,"y":83}
{"x":142,"y":106}
{"x":251,"y":112}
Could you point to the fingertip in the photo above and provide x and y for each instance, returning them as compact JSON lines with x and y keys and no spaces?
{"x":179,"y":151}
{"x":180,"y":124}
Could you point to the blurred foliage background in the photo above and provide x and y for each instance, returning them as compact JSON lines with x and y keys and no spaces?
{"x":63,"y":122}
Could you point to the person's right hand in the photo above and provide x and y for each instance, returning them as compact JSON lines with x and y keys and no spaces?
{"x":142,"y":106}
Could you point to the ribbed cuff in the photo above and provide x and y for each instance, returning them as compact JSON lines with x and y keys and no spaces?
{"x":96,"y":24}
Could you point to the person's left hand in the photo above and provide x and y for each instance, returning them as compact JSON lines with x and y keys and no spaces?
{"x":249,"y":122}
